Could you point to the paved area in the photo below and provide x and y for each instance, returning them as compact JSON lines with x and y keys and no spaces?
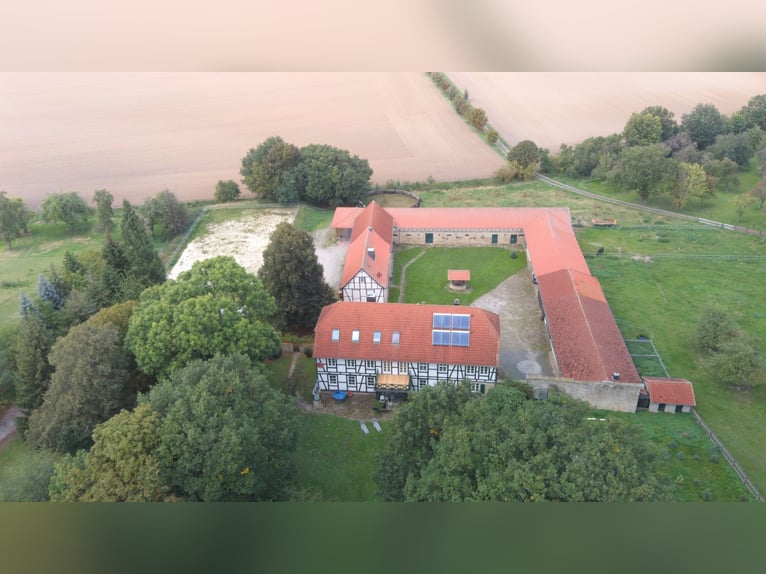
{"x":524,"y":346}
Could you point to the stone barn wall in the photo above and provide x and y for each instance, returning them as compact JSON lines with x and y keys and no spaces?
{"x":450,"y":237}
{"x":621,"y":397}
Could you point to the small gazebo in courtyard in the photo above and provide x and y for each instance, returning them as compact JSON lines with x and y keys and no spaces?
{"x":458,"y":279}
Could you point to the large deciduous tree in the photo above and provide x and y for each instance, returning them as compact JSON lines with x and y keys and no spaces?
{"x":692,"y":183}
{"x":264,"y":166}
{"x":214,"y":308}
{"x":646,"y":170}
{"x":703,"y":124}
{"x":417,"y":428}
{"x":120,"y":466}
{"x":329,"y":176}
{"x":293,"y":275}
{"x":507,"y":447}
{"x":755,"y":112}
{"x":89,"y":385}
{"x":14,"y":218}
{"x":67,"y":207}
{"x":166,"y":217}
{"x":643,"y":129}
{"x":735,"y":147}
{"x":104,"y":212}
{"x":225,"y":435}
{"x":667,"y":119}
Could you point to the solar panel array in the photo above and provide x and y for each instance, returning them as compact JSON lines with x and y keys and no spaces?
{"x":451,"y":330}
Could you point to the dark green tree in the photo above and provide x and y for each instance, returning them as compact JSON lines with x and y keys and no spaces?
{"x":215,"y":308}
{"x":477,"y":117}
{"x":8,"y":340}
{"x":703,"y":124}
{"x":226,"y":435}
{"x":525,"y":153}
{"x":144,"y":263}
{"x":67,"y":207}
{"x":329,"y":176}
{"x":735,"y":147}
{"x":646,"y":170}
{"x":165,"y":216}
{"x":226,"y":190}
{"x":508,"y":448}
{"x":714,"y":326}
{"x":755,"y":112}
{"x":725,"y":171}
{"x":104,"y":212}
{"x":14,"y":218}
{"x":492,"y":136}
{"x":120,"y":466}
{"x":293,"y":275}
{"x":760,"y":156}
{"x":88,"y":386}
{"x":643,"y":129}
{"x":33,"y":371}
{"x":417,"y":427}
{"x":264,"y":166}
{"x":667,"y":119}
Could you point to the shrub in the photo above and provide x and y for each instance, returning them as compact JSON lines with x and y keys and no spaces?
{"x":492,"y":136}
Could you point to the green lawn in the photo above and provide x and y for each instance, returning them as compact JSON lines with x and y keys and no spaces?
{"x":426,"y":278}
{"x":302,"y":380}
{"x":720,"y":208}
{"x":336,"y":459}
{"x":663,"y":298}
{"x":34,"y":254}
{"x":312,"y":218}
{"x":689,"y":463}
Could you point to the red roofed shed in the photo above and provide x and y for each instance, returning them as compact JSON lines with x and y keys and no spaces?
{"x":670,"y":395}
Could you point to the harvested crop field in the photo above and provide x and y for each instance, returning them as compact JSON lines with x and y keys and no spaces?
{"x":136,"y":134}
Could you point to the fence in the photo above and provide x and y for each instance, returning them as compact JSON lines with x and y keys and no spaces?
{"x":656,"y":210}
{"x":729,"y":458}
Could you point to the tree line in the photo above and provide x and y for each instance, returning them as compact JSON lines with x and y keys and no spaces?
{"x":692,"y":160}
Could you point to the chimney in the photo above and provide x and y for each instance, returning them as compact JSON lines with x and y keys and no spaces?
{"x":371,"y":253}
{"x":616,"y":376}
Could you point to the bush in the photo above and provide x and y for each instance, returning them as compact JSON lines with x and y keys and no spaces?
{"x":226,"y":190}
{"x":492,"y":136}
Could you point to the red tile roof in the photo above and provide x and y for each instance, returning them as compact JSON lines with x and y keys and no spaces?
{"x":373,"y":218}
{"x":587,"y":341}
{"x":458,"y":275}
{"x":414,"y":324}
{"x":670,"y":391}
{"x":359,"y":257}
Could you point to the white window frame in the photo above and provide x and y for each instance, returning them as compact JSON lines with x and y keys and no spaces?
{"x":355,"y":336}
{"x":369,"y":364}
{"x":422,"y":367}
{"x":350,"y":379}
{"x":442,"y":368}
{"x":422,"y":383}
{"x":332,"y":363}
{"x":335,"y":335}
{"x":476,"y":387}
{"x":370,"y":380}
{"x":470,"y":369}
{"x":332,"y":379}
{"x":351,"y":363}
{"x":387,"y":367}
{"x":484,"y":370}
{"x":376,"y":335}
{"x":395,"y":338}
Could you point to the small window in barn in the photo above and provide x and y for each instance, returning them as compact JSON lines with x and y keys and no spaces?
{"x":355,"y":336}
{"x":369,"y":364}
{"x":661,"y":408}
{"x":336,"y":335}
{"x":679,"y":408}
{"x":371,"y":299}
{"x":376,"y":336}
{"x":395,"y":338}
{"x":514,"y":238}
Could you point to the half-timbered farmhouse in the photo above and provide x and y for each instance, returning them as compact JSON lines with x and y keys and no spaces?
{"x":366,"y":348}
{"x":586,"y":342}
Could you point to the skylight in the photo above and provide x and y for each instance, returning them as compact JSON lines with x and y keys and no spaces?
{"x":355,"y":336}
{"x":461,"y":322}
{"x":395,"y":338}
{"x":336,"y":335}
{"x":460,"y":338}
{"x":442,"y":321}
{"x":376,"y":336}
